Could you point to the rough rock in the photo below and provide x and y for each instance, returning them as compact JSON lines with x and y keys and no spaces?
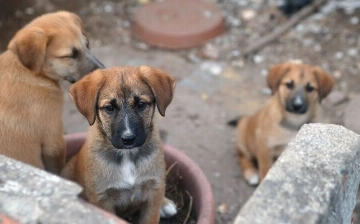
{"x":315,"y":180}
{"x":30,"y":195}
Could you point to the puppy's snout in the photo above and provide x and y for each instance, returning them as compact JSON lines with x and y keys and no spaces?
{"x":128,"y":139}
{"x":96,"y":63}
{"x":298,"y":104}
{"x":128,"y":131}
{"x":89,"y":64}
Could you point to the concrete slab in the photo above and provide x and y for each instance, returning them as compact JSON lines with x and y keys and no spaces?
{"x":315,"y":180}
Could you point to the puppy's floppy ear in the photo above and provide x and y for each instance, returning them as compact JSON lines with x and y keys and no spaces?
{"x":85,"y":93}
{"x":161,"y":84}
{"x":325,"y":82}
{"x":29,"y":44}
{"x":276,"y":73}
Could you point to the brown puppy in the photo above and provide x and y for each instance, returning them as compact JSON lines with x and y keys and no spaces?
{"x":50,"y":48}
{"x":121,"y":164}
{"x":297,"y":92}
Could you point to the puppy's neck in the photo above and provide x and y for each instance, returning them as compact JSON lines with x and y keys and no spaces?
{"x":24,"y":75}
{"x":294,"y":122}
{"x":135,"y":155}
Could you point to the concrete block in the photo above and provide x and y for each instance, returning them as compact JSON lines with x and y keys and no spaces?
{"x":315,"y":180}
{"x":30,"y":195}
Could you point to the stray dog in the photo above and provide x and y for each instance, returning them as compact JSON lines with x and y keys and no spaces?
{"x":50,"y":48}
{"x":121,"y":164}
{"x":297,"y":92}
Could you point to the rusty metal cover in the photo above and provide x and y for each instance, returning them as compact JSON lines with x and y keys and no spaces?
{"x":178,"y":24}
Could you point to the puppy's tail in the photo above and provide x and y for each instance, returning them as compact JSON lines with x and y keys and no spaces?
{"x":234,"y":121}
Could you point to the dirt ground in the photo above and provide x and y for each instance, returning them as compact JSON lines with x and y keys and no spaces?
{"x":214,"y":82}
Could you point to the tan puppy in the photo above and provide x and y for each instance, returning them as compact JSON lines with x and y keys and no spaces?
{"x":50,"y":48}
{"x":121,"y":164}
{"x":297,"y":92}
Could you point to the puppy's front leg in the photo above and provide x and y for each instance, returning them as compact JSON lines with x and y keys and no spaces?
{"x":150,"y":211}
{"x":53,"y":148}
{"x":168,"y":208}
{"x":264,"y":159}
{"x":53,"y":154}
{"x":249,"y":171}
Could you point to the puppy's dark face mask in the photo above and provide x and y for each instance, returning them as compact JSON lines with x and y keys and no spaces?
{"x":299,"y":94}
{"x":126,"y":115}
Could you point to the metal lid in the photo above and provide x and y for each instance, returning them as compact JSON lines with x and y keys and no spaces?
{"x":178,"y":24}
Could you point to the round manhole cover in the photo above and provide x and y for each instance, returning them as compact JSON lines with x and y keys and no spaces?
{"x":178,"y":24}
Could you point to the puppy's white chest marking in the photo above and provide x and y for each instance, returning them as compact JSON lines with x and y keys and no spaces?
{"x":126,"y":176}
{"x":125,"y":183}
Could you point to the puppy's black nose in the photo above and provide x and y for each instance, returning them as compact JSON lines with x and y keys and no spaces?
{"x":298,"y":105}
{"x":128,"y":139}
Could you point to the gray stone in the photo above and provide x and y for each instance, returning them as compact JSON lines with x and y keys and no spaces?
{"x":354,"y":20}
{"x":213,"y":67}
{"x":352,"y":52}
{"x":315,"y":180}
{"x":351,"y":114}
{"x":210,"y":51}
{"x":30,"y":195}
{"x":266,"y":91}
{"x":258,"y":59}
{"x":348,"y":4}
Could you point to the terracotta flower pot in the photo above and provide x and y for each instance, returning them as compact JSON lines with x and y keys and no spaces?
{"x":184,"y":169}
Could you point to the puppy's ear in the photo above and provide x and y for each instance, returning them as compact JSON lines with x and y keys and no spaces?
{"x":29,"y":45}
{"x":276,"y":73}
{"x":161,"y":84}
{"x":75,"y":18}
{"x":325,"y":82}
{"x":85,"y":93}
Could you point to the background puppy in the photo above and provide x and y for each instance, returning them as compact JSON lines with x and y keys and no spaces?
{"x":121,"y":164}
{"x":297,"y":92}
{"x":50,"y":48}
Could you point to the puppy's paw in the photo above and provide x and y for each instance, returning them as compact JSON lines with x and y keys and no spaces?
{"x":168,"y":208}
{"x":252,"y":177}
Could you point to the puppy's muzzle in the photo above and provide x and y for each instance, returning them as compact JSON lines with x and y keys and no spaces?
{"x":94,"y":61}
{"x":297,"y":104}
{"x":128,"y":140}
{"x":88,"y":64}
{"x":128,"y":131}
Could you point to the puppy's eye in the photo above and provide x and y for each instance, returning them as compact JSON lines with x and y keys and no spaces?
{"x":109,"y":109}
{"x":75,"y":53}
{"x":141,"y":106}
{"x":309,"y":88}
{"x":290,"y":85}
